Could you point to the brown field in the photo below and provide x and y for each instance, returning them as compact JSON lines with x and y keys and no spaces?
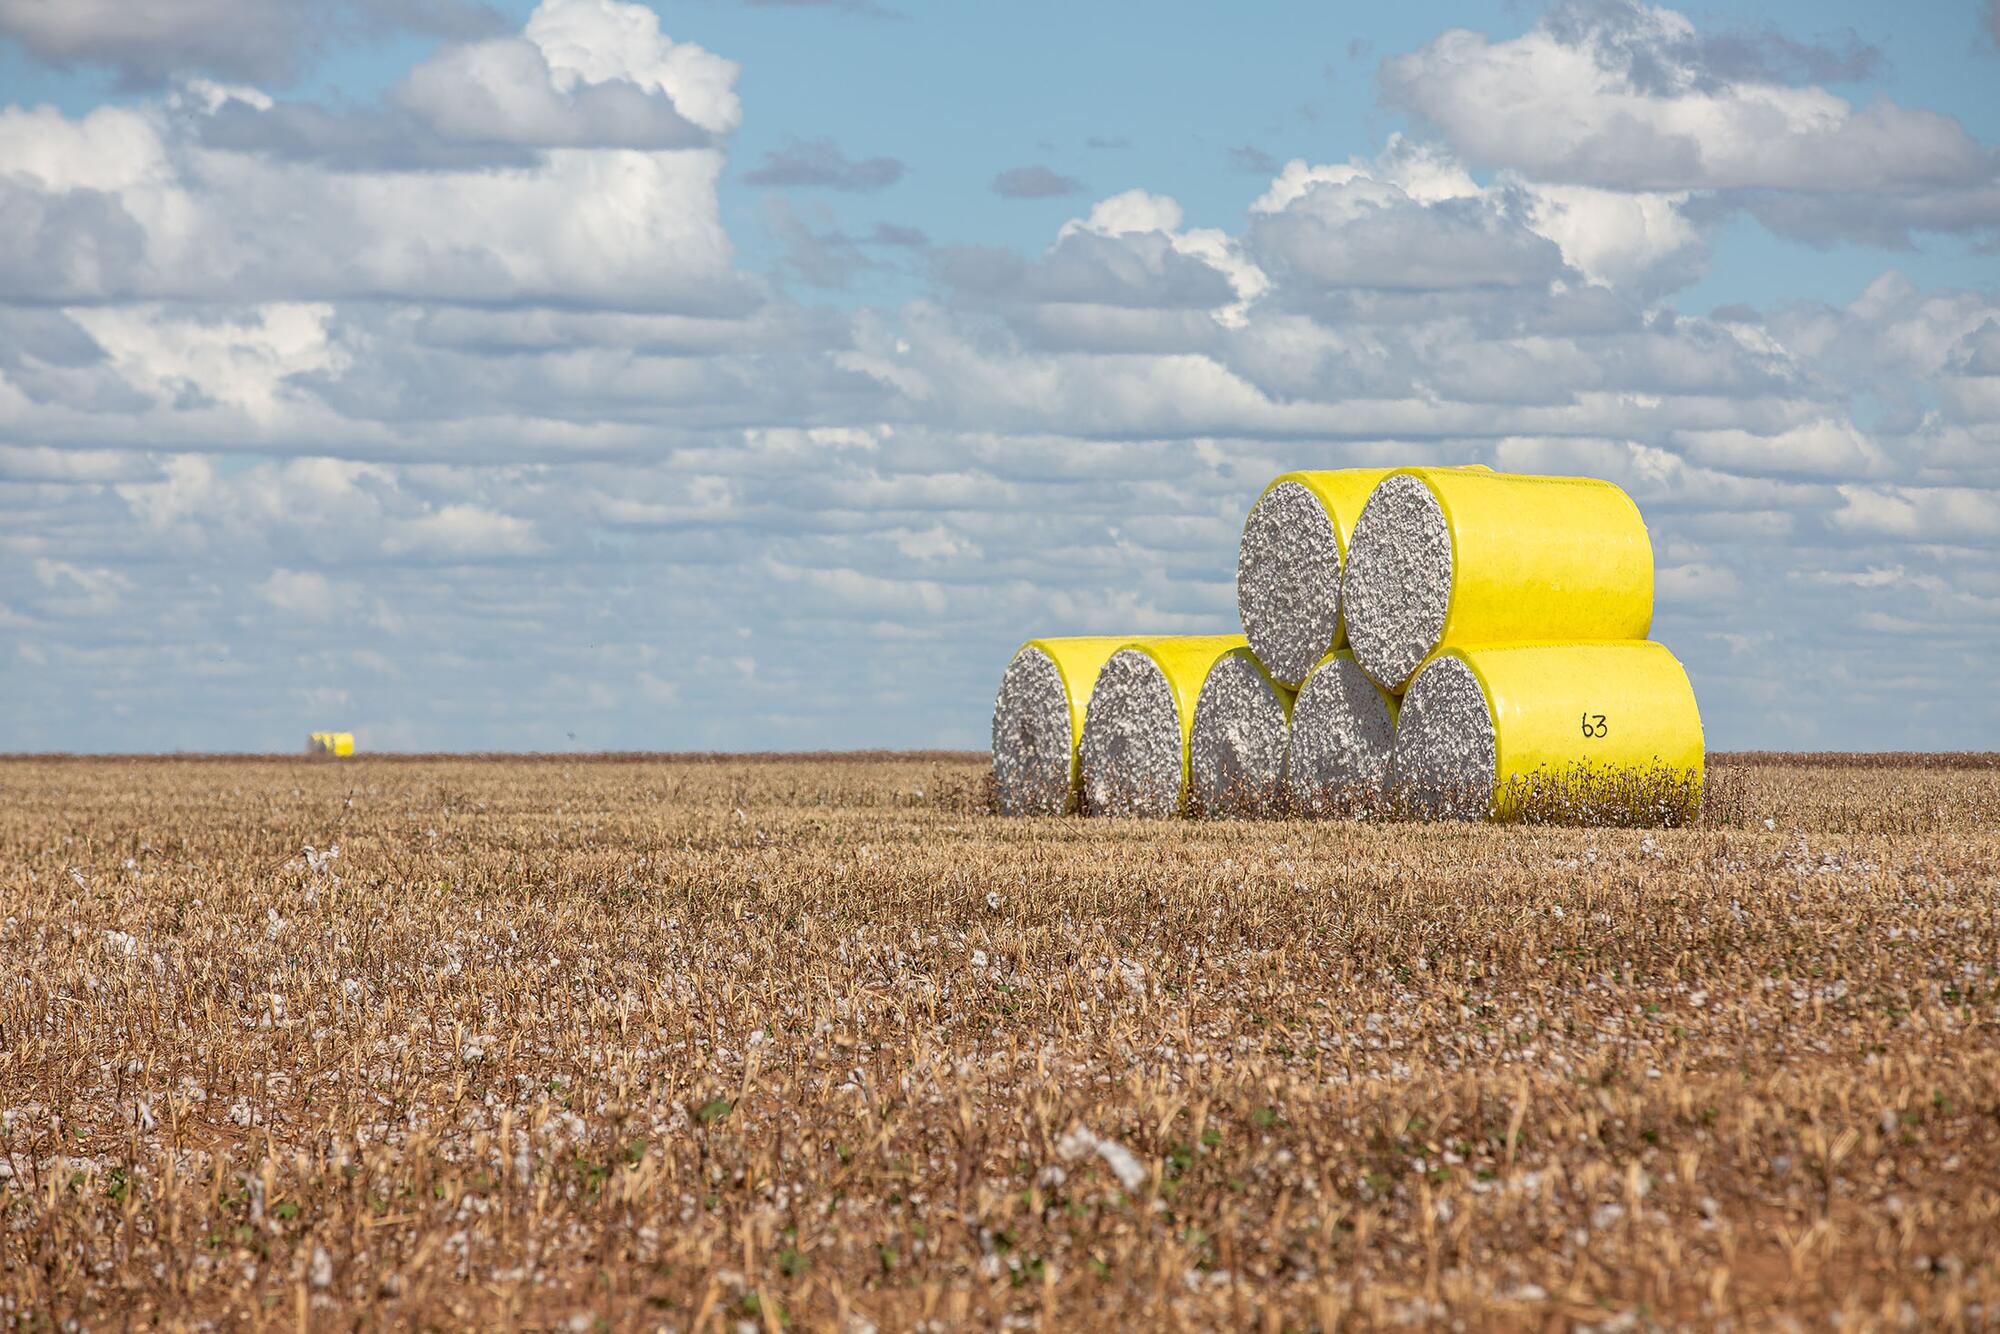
{"x":629,"y":1042}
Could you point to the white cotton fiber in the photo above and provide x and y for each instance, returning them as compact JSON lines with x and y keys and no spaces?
{"x":1236,"y":752}
{"x":1443,"y":762}
{"x":1397,"y":587}
{"x":1032,"y":746}
{"x":1133,"y":752}
{"x":1343,"y":729}
{"x":1288,"y":581}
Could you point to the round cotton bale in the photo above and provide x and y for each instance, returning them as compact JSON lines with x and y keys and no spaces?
{"x":1289,"y":562}
{"x":1038,"y":720}
{"x":1547,"y":730}
{"x":1343,"y":728}
{"x":1236,"y":750}
{"x":1444,"y":557}
{"x":1134,"y":752}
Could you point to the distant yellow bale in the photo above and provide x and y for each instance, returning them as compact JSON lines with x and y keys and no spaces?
{"x":330,"y":743}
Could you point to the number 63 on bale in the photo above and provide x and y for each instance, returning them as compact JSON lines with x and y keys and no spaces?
{"x":1595,"y":726}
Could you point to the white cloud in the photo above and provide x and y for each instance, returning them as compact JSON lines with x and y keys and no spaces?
{"x":305,"y":593}
{"x":130,"y":202}
{"x":1618,"y":95}
{"x":584,"y":73}
{"x":463,"y":532}
{"x":1623,"y":97}
{"x":243,"y":38}
{"x":1942,"y":514}
{"x":1823,"y":448}
{"x":1696,"y":583}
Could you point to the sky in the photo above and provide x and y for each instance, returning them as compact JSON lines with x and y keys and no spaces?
{"x":727,"y":376}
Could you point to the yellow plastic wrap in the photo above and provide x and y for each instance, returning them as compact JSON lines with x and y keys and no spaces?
{"x":1586,"y":708}
{"x":1540,"y":559}
{"x":1341,"y":492}
{"x":1185,"y":661}
{"x":1078,"y":659}
{"x":331,"y":743}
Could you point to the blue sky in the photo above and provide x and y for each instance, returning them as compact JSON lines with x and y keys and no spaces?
{"x":757,"y":375}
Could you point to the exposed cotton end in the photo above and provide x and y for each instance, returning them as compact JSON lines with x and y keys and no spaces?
{"x":1443,"y":760}
{"x":1236,"y":751}
{"x":1397,"y":587}
{"x":1132,"y":752}
{"x":1342,"y":734}
{"x":1288,"y":581}
{"x":1033,"y":751}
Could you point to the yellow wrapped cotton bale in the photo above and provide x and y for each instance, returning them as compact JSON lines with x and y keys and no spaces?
{"x":1236,"y":748}
{"x":1592,"y":730}
{"x":1449,"y":557}
{"x":1038,"y":721}
{"x":1134,"y":753}
{"x":330,"y":743}
{"x":1343,"y":729}
{"x":1289,"y":562}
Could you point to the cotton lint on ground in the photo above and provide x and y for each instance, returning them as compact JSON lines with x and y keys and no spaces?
{"x":1288,"y":566}
{"x":1036,"y":718}
{"x":1343,"y":727}
{"x":1443,"y":761}
{"x":1463,"y":557}
{"x":1236,"y":752}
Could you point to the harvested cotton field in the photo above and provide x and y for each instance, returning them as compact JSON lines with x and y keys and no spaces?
{"x":638,"y":1043}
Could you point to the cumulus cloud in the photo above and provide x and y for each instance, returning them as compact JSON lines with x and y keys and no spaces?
{"x":1624,"y":96}
{"x":135,"y":203}
{"x":306,"y":593}
{"x":1628,"y":95}
{"x":819,"y":163}
{"x":243,"y":39}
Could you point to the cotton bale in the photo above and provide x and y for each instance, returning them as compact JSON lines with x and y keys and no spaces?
{"x":1289,"y":562}
{"x":1539,"y":730}
{"x":1343,"y":730}
{"x":330,"y":743}
{"x":1038,"y":721}
{"x":1236,"y":748}
{"x":1444,"y":557}
{"x":1134,"y":752}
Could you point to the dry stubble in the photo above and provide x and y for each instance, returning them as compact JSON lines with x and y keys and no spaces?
{"x":650,"y":1042}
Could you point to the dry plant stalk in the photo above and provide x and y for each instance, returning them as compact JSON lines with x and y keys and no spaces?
{"x":631,"y":1042}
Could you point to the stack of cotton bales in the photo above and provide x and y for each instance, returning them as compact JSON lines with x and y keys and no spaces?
{"x":1456,"y":640}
